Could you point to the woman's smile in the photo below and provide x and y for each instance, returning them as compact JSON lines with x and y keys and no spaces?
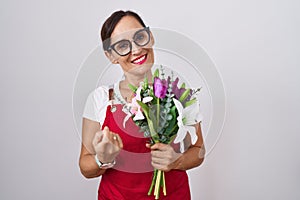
{"x":140,"y":60}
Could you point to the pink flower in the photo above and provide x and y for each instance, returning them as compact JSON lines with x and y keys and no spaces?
{"x":135,"y":108}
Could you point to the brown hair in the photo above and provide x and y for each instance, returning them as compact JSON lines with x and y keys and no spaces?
{"x":111,"y":22}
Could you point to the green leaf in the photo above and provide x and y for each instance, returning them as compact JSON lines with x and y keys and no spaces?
{"x":145,"y":109}
{"x":172,"y":122}
{"x":182,"y":85}
{"x":152,"y":117}
{"x":190,"y":102}
{"x":145,"y":85}
{"x":132,"y":87}
{"x":184,"y":95}
{"x":153,"y":133}
{"x":156,"y":73}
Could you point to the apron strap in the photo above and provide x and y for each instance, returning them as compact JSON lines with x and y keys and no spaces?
{"x":111,"y":93}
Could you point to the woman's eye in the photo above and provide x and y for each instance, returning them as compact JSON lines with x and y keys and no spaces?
{"x":122,"y":45}
{"x":139,"y":37}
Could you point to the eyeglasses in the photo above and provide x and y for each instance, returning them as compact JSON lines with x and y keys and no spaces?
{"x":123,"y":47}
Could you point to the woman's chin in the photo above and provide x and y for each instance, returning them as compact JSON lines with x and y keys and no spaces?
{"x":141,"y":69}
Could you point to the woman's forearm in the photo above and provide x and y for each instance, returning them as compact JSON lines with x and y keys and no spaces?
{"x":89,"y":167}
{"x":192,"y":157}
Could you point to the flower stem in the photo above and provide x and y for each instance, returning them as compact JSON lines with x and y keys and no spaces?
{"x":164,"y":184}
{"x":157,"y":113}
{"x":153,"y":181}
{"x":157,"y":184}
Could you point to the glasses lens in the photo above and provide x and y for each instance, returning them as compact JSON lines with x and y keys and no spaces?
{"x":141,"y":37}
{"x":122,"y":47}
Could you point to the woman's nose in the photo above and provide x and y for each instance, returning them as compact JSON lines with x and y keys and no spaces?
{"x":135,"y":49}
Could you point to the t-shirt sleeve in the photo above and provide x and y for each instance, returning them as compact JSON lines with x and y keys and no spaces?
{"x":95,"y":106}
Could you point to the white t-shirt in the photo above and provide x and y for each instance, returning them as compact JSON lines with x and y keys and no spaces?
{"x":97,"y":102}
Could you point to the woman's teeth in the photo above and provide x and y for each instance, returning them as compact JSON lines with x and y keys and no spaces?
{"x":139,"y":60}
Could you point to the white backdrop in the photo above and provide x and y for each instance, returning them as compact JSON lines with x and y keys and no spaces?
{"x":255,"y":45}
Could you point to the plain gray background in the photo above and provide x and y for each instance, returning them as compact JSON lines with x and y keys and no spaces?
{"x":255,"y":45}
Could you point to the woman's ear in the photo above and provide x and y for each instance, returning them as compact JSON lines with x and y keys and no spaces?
{"x":112,"y":59}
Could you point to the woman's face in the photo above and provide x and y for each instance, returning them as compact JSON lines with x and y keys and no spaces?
{"x":140,"y":60}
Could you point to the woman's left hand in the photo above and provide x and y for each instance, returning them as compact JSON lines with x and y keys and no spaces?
{"x":163,"y":156}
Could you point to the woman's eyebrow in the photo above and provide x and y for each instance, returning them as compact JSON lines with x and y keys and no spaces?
{"x":130,"y":33}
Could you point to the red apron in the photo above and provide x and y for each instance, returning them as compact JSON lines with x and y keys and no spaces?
{"x":132,"y":175}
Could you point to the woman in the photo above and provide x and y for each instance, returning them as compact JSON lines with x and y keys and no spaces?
{"x":121,"y":155}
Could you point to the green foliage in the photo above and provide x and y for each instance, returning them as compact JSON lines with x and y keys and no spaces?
{"x":156,"y":73}
{"x":152,"y":131}
{"x":172,"y":128}
{"x":190,"y":102}
{"x":184,"y":95}
{"x":182,"y":85}
{"x":132,"y":87}
{"x":145,"y":84}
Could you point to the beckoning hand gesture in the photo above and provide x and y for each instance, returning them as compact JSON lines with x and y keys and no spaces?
{"x":107,"y":145}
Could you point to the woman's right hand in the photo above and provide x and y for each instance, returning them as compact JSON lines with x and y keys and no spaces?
{"x":107,"y":145}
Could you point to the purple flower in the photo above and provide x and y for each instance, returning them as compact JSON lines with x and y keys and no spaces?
{"x":179,"y":91}
{"x":176,"y":91}
{"x":160,"y":87}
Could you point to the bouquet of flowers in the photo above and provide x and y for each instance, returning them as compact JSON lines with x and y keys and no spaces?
{"x":164,"y":111}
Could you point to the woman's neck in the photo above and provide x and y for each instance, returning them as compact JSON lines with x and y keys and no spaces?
{"x":135,"y":80}
{"x":125,"y":91}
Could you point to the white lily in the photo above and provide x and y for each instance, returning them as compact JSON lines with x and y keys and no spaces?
{"x":187,"y":118}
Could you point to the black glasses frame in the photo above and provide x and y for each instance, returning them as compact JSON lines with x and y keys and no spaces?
{"x":112,"y":47}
